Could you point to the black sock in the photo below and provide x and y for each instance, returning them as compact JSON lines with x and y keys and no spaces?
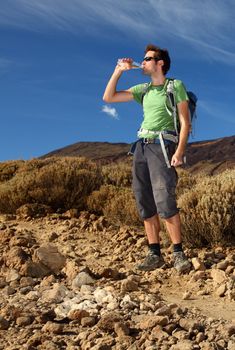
{"x":155,"y":248}
{"x":177,"y":247}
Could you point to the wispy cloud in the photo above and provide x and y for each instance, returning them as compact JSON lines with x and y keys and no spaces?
{"x":208,"y":26}
{"x":217,"y":110}
{"x":111,"y":111}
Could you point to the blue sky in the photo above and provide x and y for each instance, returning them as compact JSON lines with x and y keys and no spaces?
{"x":56,"y":57}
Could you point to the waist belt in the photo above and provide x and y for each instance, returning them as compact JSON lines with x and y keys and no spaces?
{"x":163,"y":135}
{"x":151,"y":140}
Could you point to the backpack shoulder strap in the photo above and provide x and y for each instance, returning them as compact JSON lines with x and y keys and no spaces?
{"x":144,"y":91}
{"x":170,"y":102}
{"x":170,"y":89}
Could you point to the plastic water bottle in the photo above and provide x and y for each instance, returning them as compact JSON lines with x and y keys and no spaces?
{"x":134,"y":65}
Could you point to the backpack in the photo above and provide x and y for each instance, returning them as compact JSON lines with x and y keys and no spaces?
{"x":171,"y":105}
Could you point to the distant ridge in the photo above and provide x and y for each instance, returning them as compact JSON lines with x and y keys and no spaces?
{"x":104,"y":152}
{"x":212,"y":156}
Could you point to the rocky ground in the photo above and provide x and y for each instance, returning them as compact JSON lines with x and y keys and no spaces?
{"x":70,"y":283}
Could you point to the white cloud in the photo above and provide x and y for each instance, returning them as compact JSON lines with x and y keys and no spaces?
{"x":111,"y":111}
{"x":208,"y":26}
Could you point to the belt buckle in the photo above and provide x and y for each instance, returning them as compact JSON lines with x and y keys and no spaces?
{"x":146,"y":140}
{"x":152,"y":140}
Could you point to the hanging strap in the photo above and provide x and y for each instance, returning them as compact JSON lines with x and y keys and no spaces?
{"x":164,"y":150}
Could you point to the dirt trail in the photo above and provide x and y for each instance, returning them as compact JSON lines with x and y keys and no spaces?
{"x":207,"y":305}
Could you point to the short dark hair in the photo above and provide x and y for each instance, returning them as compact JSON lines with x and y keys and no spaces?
{"x":162,"y":54}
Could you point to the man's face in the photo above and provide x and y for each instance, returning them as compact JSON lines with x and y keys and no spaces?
{"x":150,"y":64}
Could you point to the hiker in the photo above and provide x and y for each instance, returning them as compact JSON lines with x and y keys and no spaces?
{"x":156,"y":152}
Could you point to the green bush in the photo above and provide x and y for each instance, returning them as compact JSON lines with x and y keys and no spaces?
{"x":208,"y":212}
{"x":58,"y":182}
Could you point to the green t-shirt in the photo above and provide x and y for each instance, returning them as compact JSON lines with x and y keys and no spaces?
{"x":156,"y":117}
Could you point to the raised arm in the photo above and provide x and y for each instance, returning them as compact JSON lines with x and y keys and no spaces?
{"x":111,"y":94}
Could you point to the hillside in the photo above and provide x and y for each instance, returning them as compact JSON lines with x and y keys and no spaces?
{"x":212,"y":156}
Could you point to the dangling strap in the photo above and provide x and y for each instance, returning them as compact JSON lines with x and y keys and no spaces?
{"x":161,"y":139}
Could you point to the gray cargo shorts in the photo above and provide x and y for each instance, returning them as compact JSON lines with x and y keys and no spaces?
{"x":154,"y":183}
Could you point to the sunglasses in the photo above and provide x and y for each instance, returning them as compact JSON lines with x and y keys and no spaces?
{"x":147,"y":59}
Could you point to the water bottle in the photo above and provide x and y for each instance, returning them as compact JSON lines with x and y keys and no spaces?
{"x":134,"y":65}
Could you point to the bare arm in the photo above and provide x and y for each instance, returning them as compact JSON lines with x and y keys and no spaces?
{"x":111,"y":94}
{"x":183,"y":114}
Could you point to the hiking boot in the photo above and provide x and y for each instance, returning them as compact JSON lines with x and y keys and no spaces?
{"x":181,"y":263}
{"x":151,"y":262}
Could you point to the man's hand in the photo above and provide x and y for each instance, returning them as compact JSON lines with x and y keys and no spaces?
{"x":124,"y":64}
{"x":176,"y":160}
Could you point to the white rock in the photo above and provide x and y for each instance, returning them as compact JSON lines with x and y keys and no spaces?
{"x":100,"y":295}
{"x":112,"y":305}
{"x":81,"y":279}
{"x":85,"y":305}
{"x":127,"y":303}
{"x":63,"y":309}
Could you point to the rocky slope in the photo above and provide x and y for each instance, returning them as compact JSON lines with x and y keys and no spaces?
{"x":70,"y":282}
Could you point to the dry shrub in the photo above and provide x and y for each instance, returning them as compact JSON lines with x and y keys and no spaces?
{"x":58,"y":182}
{"x":119,"y":174}
{"x":8,"y":169}
{"x":186,"y":181}
{"x":116,"y":203}
{"x":207,"y":211}
{"x":98,"y":199}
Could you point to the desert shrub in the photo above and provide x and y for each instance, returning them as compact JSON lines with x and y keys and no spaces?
{"x":36,"y":164}
{"x":186,"y":181}
{"x":98,"y":199}
{"x":122,"y":208}
{"x":117,"y":174}
{"x":116,"y":203}
{"x":208,"y":212}
{"x":8,"y":169}
{"x":58,"y":182}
